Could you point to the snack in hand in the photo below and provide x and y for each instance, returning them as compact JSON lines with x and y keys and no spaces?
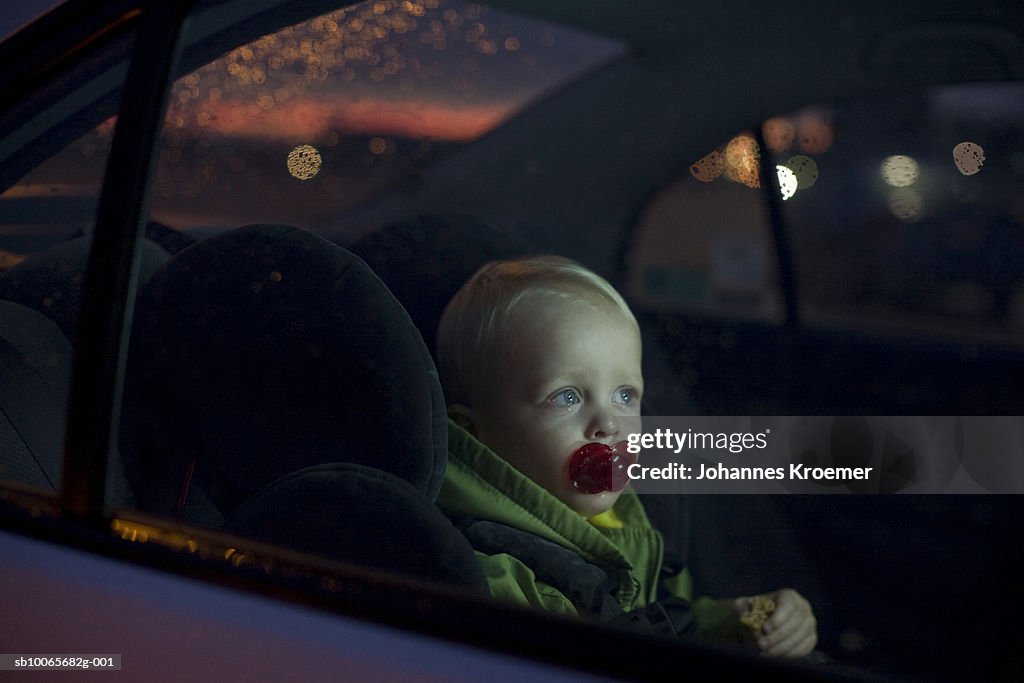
{"x":761,"y":607}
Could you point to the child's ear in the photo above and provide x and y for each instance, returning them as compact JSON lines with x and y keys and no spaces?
{"x":464,"y":416}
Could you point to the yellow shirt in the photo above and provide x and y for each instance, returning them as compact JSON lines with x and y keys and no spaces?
{"x":606,"y":520}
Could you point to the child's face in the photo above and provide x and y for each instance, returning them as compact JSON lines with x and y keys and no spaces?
{"x":569,"y":375}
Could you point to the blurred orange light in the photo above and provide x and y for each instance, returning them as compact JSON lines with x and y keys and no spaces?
{"x":778,"y":133}
{"x":813,"y":134}
{"x":741,"y":161}
{"x":708,"y":168}
{"x":304,"y":162}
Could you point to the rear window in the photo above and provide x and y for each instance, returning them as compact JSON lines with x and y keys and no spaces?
{"x":905,"y":211}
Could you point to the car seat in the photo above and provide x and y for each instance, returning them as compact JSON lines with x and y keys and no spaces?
{"x":35,"y":372}
{"x":40,"y":299}
{"x":426,"y":259}
{"x":276,"y":389}
{"x":50,"y":281}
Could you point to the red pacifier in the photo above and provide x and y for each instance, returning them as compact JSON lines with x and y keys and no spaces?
{"x":597,"y":467}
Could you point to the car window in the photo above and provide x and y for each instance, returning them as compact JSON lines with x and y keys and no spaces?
{"x":728,"y":267}
{"x":927,"y":236}
{"x":901,"y":213}
{"x":255,"y":379}
{"x":304,"y":123}
{"x":52,"y":159}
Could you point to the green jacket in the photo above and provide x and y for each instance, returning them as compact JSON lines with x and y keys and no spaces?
{"x":480,"y":485}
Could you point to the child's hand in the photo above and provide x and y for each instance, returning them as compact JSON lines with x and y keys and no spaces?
{"x":791,"y":630}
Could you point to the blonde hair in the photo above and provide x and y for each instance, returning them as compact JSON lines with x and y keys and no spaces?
{"x":480,"y":315}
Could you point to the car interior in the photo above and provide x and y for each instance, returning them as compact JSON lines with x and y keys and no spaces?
{"x":279,"y":382}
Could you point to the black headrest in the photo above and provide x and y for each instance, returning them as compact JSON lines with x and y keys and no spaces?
{"x":426,"y":259}
{"x":361,"y":515}
{"x":266,"y":350}
{"x":50,"y":281}
{"x":35,"y":371}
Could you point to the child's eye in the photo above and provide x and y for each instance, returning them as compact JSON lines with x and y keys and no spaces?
{"x":626,"y":396}
{"x":565,"y":398}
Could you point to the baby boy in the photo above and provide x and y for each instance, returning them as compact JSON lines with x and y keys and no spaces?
{"x":540,"y":357}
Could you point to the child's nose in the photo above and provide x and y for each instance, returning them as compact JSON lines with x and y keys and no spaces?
{"x":603,"y":425}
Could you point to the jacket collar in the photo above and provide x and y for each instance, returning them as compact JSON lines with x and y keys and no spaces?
{"x":479,"y":484}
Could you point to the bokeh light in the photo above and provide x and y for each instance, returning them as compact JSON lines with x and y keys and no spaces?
{"x":9,"y":259}
{"x":304,"y":162}
{"x":787,"y":182}
{"x":708,"y":168}
{"x":805,"y":169}
{"x":741,"y":161}
{"x":813,"y":134}
{"x":968,"y":157}
{"x":778,"y":133}
{"x":906,"y":204}
{"x":899,"y":171}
